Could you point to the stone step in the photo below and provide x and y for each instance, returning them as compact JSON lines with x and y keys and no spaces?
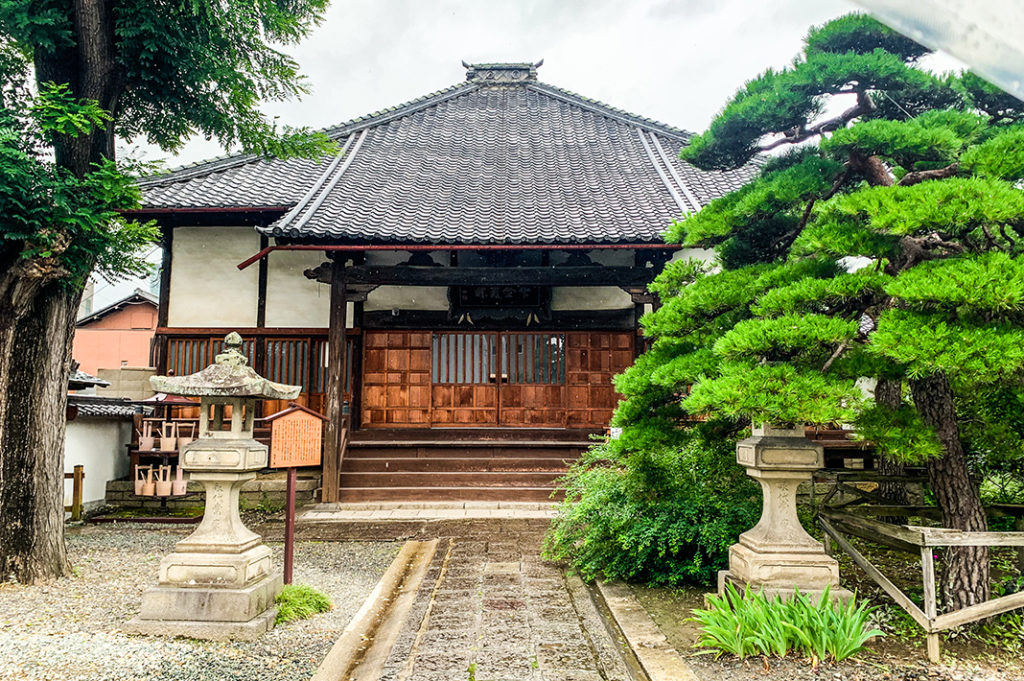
{"x":449,"y":494}
{"x":452,"y":464}
{"x":511,"y":479}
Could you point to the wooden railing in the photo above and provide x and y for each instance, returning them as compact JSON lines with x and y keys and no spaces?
{"x":850,"y":517}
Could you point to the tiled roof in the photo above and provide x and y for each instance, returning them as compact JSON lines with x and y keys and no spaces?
{"x":139,"y":296}
{"x":105,"y":407}
{"x":80,"y":380}
{"x":501,"y":158}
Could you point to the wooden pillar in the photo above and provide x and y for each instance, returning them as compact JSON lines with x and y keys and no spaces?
{"x":356,"y":368}
{"x":158,"y":355}
{"x":259,"y":343}
{"x":333,"y":445}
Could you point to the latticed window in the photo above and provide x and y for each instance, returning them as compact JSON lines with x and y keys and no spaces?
{"x":475,"y":358}
{"x":463,"y":358}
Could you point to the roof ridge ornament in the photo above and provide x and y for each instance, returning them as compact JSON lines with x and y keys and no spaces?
{"x":502,"y":72}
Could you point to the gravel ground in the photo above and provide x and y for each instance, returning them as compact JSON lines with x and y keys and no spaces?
{"x":69,"y":630}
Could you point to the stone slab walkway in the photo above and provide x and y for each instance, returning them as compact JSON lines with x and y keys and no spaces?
{"x":489,"y":609}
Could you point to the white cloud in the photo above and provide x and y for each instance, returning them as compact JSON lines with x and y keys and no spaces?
{"x":674,"y":61}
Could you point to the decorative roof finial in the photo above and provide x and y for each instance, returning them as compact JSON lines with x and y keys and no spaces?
{"x":504,"y":73}
{"x":232,"y":351}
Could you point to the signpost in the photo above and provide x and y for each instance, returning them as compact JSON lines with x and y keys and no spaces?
{"x":296,"y":438}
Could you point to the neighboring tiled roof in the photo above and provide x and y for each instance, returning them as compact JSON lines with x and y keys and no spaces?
{"x":500,"y":158}
{"x":80,"y":380}
{"x":106,"y":407}
{"x":138,"y":296}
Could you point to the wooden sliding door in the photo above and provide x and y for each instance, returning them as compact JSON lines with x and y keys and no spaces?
{"x":491,"y":379}
{"x":464,"y":389}
{"x":532,"y":391}
{"x":396,"y":379}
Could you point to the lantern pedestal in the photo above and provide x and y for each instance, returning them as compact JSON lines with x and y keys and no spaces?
{"x":777,"y":556}
{"x":220,"y":582}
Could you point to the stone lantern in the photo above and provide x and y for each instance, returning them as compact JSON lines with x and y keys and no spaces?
{"x":777,"y":556}
{"x":219,"y":583}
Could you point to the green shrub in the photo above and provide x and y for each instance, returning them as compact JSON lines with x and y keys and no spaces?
{"x":752,"y":625}
{"x":298,"y":602}
{"x":643,"y":508}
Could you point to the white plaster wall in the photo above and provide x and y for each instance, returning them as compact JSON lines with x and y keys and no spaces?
{"x":99,"y":445}
{"x":407,"y":298}
{"x":399,"y":257}
{"x":590,"y":298}
{"x":207,"y":288}
{"x":613,"y":257}
{"x":292,"y":299}
{"x":705,"y":254}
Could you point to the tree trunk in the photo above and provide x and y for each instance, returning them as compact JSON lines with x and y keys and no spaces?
{"x":889,"y":394}
{"x":32,"y":438}
{"x":35,"y":346}
{"x":965,"y":574}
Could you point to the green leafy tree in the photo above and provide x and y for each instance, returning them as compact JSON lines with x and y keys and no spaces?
{"x":75,"y":76}
{"x":890,"y":249}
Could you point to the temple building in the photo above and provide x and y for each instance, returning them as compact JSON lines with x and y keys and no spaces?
{"x":467,"y":272}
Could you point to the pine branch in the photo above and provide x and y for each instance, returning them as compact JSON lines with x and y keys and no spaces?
{"x":1010,"y":239}
{"x":798,"y":134}
{"x":923,"y":175}
{"x":835,"y":355}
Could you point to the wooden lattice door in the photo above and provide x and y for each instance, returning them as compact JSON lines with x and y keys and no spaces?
{"x":532,"y":391}
{"x":592,"y":359}
{"x":396,"y":379}
{"x":464,"y":388}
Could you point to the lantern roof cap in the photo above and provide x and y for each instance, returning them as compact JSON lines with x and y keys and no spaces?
{"x":229,"y":376}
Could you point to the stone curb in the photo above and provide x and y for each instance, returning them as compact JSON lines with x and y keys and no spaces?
{"x":659,"y":660}
{"x":402,"y":576}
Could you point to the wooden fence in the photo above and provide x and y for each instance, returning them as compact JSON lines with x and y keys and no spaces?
{"x":852,"y":517}
{"x":78,"y":476}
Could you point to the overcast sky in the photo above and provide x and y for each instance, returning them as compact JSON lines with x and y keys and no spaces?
{"x":676,"y":61}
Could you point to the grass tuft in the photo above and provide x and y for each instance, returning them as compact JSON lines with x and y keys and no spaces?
{"x":749,"y":624}
{"x":298,"y":602}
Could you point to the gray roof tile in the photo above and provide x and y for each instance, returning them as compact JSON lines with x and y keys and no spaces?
{"x":477,"y":163}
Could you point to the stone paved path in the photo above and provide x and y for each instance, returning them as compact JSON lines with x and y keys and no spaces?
{"x":489,"y":609}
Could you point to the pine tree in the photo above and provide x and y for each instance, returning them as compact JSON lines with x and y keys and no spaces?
{"x":890,"y":249}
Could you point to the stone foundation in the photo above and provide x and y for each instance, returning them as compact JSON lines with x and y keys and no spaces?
{"x":267,"y":489}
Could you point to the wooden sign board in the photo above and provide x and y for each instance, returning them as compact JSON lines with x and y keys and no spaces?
{"x":295,"y":439}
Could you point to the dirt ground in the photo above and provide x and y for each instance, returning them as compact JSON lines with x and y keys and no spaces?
{"x":894,"y":657}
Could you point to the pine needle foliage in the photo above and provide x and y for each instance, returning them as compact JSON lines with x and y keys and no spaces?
{"x":919,"y":210}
